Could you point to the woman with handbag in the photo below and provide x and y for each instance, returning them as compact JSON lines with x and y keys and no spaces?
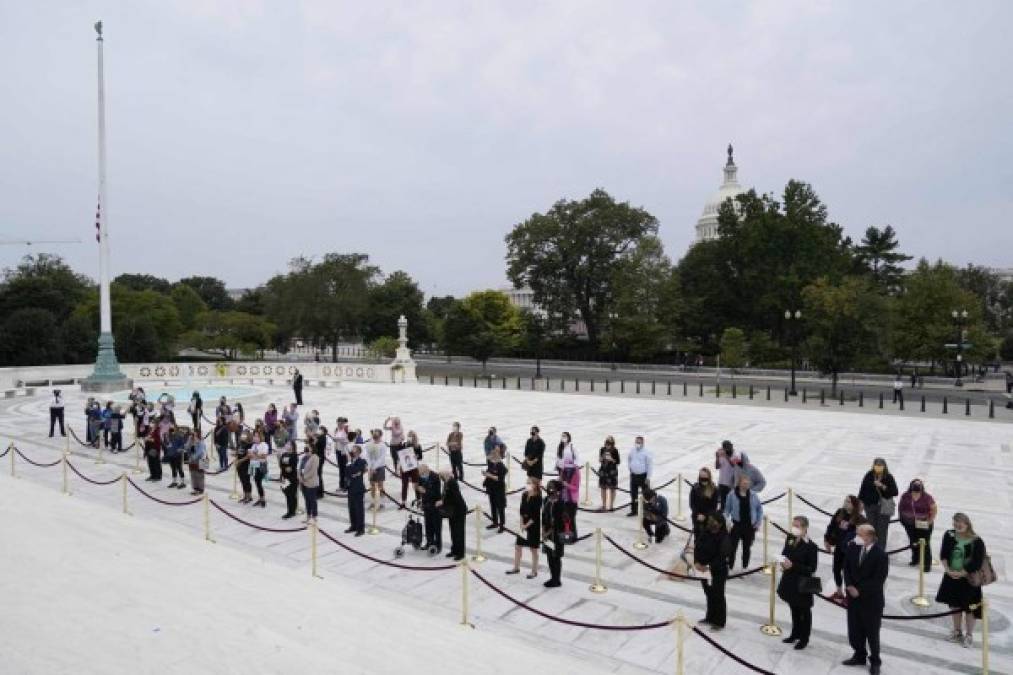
{"x":704,"y":499}
{"x":917,"y":512}
{"x":964,"y":560}
{"x":495,"y":486}
{"x":568,"y":466}
{"x":530,"y":536}
{"x":877,"y":496}
{"x":840,"y":532}
{"x":258,"y":467}
{"x":798,"y":583}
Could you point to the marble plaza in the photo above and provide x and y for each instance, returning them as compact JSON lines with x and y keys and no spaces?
{"x":822,"y":455}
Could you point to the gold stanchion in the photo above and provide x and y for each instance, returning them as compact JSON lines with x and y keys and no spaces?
{"x":313,"y":549}
{"x":920,"y":600}
{"x":478,"y":557}
{"x":372,"y":529}
{"x":439,"y":451}
{"x":587,"y":485}
{"x":791,"y":504}
{"x":464,"y":593}
{"x":63,"y":463}
{"x":680,"y":621}
{"x":137,"y":455}
{"x":984,"y":636}
{"x":508,"y":471}
{"x":597,"y":586}
{"x":123,"y":479}
{"x":771,"y":628}
{"x":640,"y":544}
{"x":235,"y":482}
{"x":207,"y":518}
{"x":766,"y":559}
{"x":678,"y":500}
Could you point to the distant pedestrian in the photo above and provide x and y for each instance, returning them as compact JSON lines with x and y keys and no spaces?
{"x":173,"y":450}
{"x":196,"y":461}
{"x":308,"y":480}
{"x":297,"y":386}
{"x":376,"y":456}
{"x":655,"y":519}
{"x":962,"y":554}
{"x":115,"y":422}
{"x":430,"y":490}
{"x":495,"y":486}
{"x":196,"y":409}
{"x":877,"y":494}
{"x":568,"y":467}
{"x":221,"y":440}
{"x":728,"y":462}
{"x":56,"y":413}
{"x":358,"y":468}
{"x":710,"y":556}
{"x":455,"y":510}
{"x":491,"y":441}
{"x":288,"y":468}
{"x":397,"y":439}
{"x":534,"y":455}
{"x":553,"y":544}
{"x":840,"y":532}
{"x":704,"y":499}
{"x":258,"y":468}
{"x":898,"y":389}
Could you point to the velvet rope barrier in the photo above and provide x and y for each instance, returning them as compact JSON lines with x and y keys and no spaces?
{"x":91,"y":480}
{"x":827,"y":513}
{"x":774,"y":499}
{"x":34,"y":463}
{"x":738,"y":659}
{"x":485,"y":492}
{"x":388,"y":563}
{"x":569,"y":622}
{"x":896,"y":617}
{"x":401,"y":504}
{"x":447,"y":453}
{"x":621,"y":507}
{"x":891,"y":552}
{"x":786,"y":533}
{"x":544,"y":473}
{"x":162,"y":501}
{"x":74,"y":435}
{"x":679,"y":526}
{"x":659,"y":487}
{"x":236,"y":518}
{"x":4,"y":453}
{"x":677,"y":575}
{"x":221,"y":471}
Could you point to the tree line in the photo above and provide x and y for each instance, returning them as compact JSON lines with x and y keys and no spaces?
{"x":781,"y":279}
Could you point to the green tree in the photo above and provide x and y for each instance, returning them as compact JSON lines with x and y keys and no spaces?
{"x":188,"y":304}
{"x":79,"y":338}
{"x":211,"y":290}
{"x":29,"y":337}
{"x":844,"y":322}
{"x":144,"y":282}
{"x":251,"y":301}
{"x":995,"y":296}
{"x":146,"y":323}
{"x":733,"y":348}
{"x":43,"y":282}
{"x":482,"y":325}
{"x":1006,"y":349}
{"x":139,"y":341}
{"x":397,"y":295}
{"x":646,"y":303}
{"x":384,"y":346}
{"x":569,"y":256}
{"x":878,"y":256}
{"x":229,"y":334}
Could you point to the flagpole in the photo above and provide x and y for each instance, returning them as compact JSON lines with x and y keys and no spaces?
{"x":107,"y":376}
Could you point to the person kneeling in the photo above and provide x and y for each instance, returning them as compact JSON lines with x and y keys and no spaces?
{"x":655,"y":516}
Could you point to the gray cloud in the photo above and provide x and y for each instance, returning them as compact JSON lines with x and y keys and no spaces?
{"x":244,"y":133}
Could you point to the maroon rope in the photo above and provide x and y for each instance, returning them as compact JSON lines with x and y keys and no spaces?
{"x":738,"y":659}
{"x":677,"y":525}
{"x":254,"y":526}
{"x":221,"y":471}
{"x":896,"y":617}
{"x":400,"y":503}
{"x":774,"y":499}
{"x":688,"y":577}
{"x":415,"y":568}
{"x":544,"y":473}
{"x":93,"y":482}
{"x":786,"y":533}
{"x":162,"y":501}
{"x":569,"y":622}
{"x":825,"y":513}
{"x":612,"y":510}
{"x":34,"y":463}
{"x":4,"y":453}
{"x":76,"y":438}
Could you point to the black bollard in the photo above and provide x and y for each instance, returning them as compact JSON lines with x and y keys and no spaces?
{"x":967,"y":407}
{"x":606,"y":386}
{"x":503,"y":383}
{"x":518,"y":383}
{"x":474,"y":381}
{"x":638,"y":386}
{"x":861,"y":399}
{"x":669,"y":388}
{"x":880,"y":400}
{"x":701,"y":389}
{"x":562,"y":384}
{"x":622,"y":386}
{"x":717,"y":390}
{"x":576,"y":384}
{"x":431,"y":379}
{"x":547,"y":387}
{"x":805,"y":395}
{"x":823,"y":399}
{"x":685,"y":389}
{"x":786,"y":394}
{"x":923,"y":402}
{"x":652,"y":388}
{"x":902,"y":404}
{"x":446,"y":380}
{"x":592,"y":385}
{"x":488,"y":383}
{"x":735,"y":393}
{"x":945,"y":406}
{"x":750,"y":392}
{"x":842,"y":397}
{"x":991,"y":409}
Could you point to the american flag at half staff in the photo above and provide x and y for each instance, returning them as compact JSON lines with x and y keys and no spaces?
{"x":98,"y":222}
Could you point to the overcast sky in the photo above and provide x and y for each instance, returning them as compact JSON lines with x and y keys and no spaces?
{"x":244,"y":133}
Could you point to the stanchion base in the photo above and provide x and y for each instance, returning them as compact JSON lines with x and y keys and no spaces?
{"x":373,"y":530}
{"x":586,"y":502}
{"x":100,"y":461}
{"x":234,"y":498}
{"x":465,"y":624}
{"x":771,"y":629}
{"x":210,"y":540}
{"x":766,"y":570}
{"x":478,"y":558}
{"x":138,"y":471}
{"x":679,"y":517}
{"x":920,"y":601}
{"x":598,"y":588}
{"x":640,"y":545}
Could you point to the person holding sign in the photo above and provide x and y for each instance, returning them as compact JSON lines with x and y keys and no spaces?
{"x":408,"y":459}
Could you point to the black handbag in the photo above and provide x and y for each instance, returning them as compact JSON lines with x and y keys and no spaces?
{"x":810,"y":585}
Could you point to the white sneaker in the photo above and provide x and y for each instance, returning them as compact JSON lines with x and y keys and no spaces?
{"x":968,"y":641}
{"x":955,"y":636}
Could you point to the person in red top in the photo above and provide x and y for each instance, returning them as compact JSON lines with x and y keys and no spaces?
{"x":917,"y":512}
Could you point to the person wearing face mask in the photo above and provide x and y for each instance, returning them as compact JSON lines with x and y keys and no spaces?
{"x":495,"y":486}
{"x":917,"y":512}
{"x":840,"y":532}
{"x":866,"y":567}
{"x":429,"y":490}
{"x":655,"y":520}
{"x":455,"y":445}
{"x":711,"y":556}
{"x":530,"y":536}
{"x":703,"y":499}
{"x":568,"y":467}
{"x":534,"y":455}
{"x":455,"y":509}
{"x":962,"y":553}
{"x":608,"y":473}
{"x":744,"y":510}
{"x":491,"y":442}
{"x":376,"y":456}
{"x":358,"y":469}
{"x":552,"y":532}
{"x":641,"y":465}
{"x":798,"y":565}
{"x":877,"y":495}
{"x":728,"y":462}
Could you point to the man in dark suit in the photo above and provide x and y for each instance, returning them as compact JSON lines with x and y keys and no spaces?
{"x":431,"y":489}
{"x":297,"y":386}
{"x":865,"y":569}
{"x":357,"y":468}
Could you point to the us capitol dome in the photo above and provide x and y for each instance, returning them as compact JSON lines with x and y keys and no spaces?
{"x":707,"y":225}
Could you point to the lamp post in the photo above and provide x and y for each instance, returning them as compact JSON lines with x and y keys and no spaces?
{"x":612,"y":336}
{"x":795,"y":317}
{"x":959,"y":320}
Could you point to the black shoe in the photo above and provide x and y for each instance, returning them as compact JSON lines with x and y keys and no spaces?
{"x":801,"y":644}
{"x":874,"y":669}
{"x":854,"y":661}
{"x":501,"y":530}
{"x":552,"y":583}
{"x":287,"y":516}
{"x":631,"y":514}
{"x":458,"y":558}
{"x":180,"y":486}
{"x":492,"y":527}
{"x":788,"y":640}
{"x":359,"y":533}
{"x":513,"y":571}
{"x":350,"y":530}
{"x":449,"y":555}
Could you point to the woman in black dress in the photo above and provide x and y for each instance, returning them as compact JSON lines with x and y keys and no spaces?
{"x":703,"y":499}
{"x":552,"y":532}
{"x":962,"y":553}
{"x":711,"y":554}
{"x":530,"y":536}
{"x":495,"y":486}
{"x":608,"y":473}
{"x":877,"y":493}
{"x":798,"y":563}
{"x":840,"y":532}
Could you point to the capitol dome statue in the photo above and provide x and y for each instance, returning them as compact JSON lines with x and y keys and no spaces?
{"x":707,"y":225}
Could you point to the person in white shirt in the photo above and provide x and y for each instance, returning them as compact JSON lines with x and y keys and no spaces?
{"x":641,"y":465}
{"x":376,"y":457}
{"x":56,"y":413}
{"x":898,"y":389}
{"x":258,"y":467}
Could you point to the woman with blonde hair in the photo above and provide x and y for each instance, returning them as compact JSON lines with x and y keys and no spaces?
{"x":704,"y":498}
{"x":962,"y":554}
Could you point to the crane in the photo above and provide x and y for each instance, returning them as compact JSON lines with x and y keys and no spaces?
{"x":31,"y":242}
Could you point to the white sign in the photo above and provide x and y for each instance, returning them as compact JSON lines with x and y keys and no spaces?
{"x":406,"y":460}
